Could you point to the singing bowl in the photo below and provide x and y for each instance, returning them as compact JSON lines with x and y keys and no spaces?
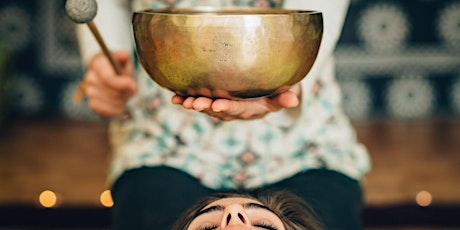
{"x":227,"y":53}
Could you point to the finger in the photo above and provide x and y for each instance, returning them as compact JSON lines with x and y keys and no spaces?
{"x":103,"y":64}
{"x":98,"y":86}
{"x":287,"y":99}
{"x":177,"y":99}
{"x":104,"y":109}
{"x":245,"y":109}
{"x":94,"y":93}
{"x":188,"y":103}
{"x":123,"y":83}
{"x":220,"y":105}
{"x":120,"y":86}
{"x":102,"y":68}
{"x":232,"y":108}
{"x":202,"y":103}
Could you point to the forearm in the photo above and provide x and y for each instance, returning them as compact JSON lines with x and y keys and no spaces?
{"x":113,"y":21}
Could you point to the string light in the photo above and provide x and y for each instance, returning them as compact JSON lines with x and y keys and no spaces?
{"x":47,"y":199}
{"x":106,"y":199}
{"x":423,"y":198}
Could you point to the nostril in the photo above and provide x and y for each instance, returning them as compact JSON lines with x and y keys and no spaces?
{"x":238,"y":218}
{"x":241,"y":218}
{"x":229,"y":217}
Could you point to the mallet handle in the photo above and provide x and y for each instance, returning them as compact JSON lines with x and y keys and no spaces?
{"x":104,"y":48}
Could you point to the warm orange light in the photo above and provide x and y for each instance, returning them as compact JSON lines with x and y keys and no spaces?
{"x":423,"y":198}
{"x":47,"y":199}
{"x":106,"y":199}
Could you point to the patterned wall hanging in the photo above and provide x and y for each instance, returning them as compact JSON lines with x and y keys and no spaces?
{"x":396,"y":59}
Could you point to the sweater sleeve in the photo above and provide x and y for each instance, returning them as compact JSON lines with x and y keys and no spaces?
{"x":113,"y":21}
{"x":334,"y":14}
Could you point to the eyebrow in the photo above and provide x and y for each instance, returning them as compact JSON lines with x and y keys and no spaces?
{"x":216,"y":208}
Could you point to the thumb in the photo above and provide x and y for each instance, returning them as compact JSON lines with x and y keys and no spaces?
{"x":287,"y":99}
{"x":124,"y":60}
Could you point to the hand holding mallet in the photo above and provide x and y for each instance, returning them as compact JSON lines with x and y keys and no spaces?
{"x":83,"y":12}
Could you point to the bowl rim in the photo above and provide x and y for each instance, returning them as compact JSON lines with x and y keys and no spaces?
{"x":225,"y":11}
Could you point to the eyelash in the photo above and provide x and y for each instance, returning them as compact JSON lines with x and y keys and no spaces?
{"x":208,"y":227}
{"x":265,"y":226}
{"x":260,"y":225}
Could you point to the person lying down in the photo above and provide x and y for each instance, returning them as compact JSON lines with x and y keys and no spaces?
{"x":259,"y":210}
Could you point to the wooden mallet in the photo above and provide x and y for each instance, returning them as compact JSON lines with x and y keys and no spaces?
{"x":83,"y":12}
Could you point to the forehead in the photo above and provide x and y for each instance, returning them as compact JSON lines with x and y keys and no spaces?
{"x":232,"y":200}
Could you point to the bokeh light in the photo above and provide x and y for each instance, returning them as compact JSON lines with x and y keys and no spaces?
{"x":423,"y":198}
{"x":106,"y":199}
{"x":47,"y":199}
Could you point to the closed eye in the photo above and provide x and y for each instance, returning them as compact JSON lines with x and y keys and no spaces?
{"x":265,"y":226}
{"x":208,"y":227}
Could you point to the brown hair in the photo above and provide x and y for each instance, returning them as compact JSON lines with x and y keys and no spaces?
{"x":293,"y":211}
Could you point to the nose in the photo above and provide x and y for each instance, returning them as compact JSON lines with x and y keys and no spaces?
{"x":235,"y":215}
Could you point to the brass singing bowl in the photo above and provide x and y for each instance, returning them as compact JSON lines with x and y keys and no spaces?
{"x":227,"y":53}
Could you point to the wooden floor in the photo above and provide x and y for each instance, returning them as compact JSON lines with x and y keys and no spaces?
{"x":71,"y":158}
{"x":409,"y":157}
